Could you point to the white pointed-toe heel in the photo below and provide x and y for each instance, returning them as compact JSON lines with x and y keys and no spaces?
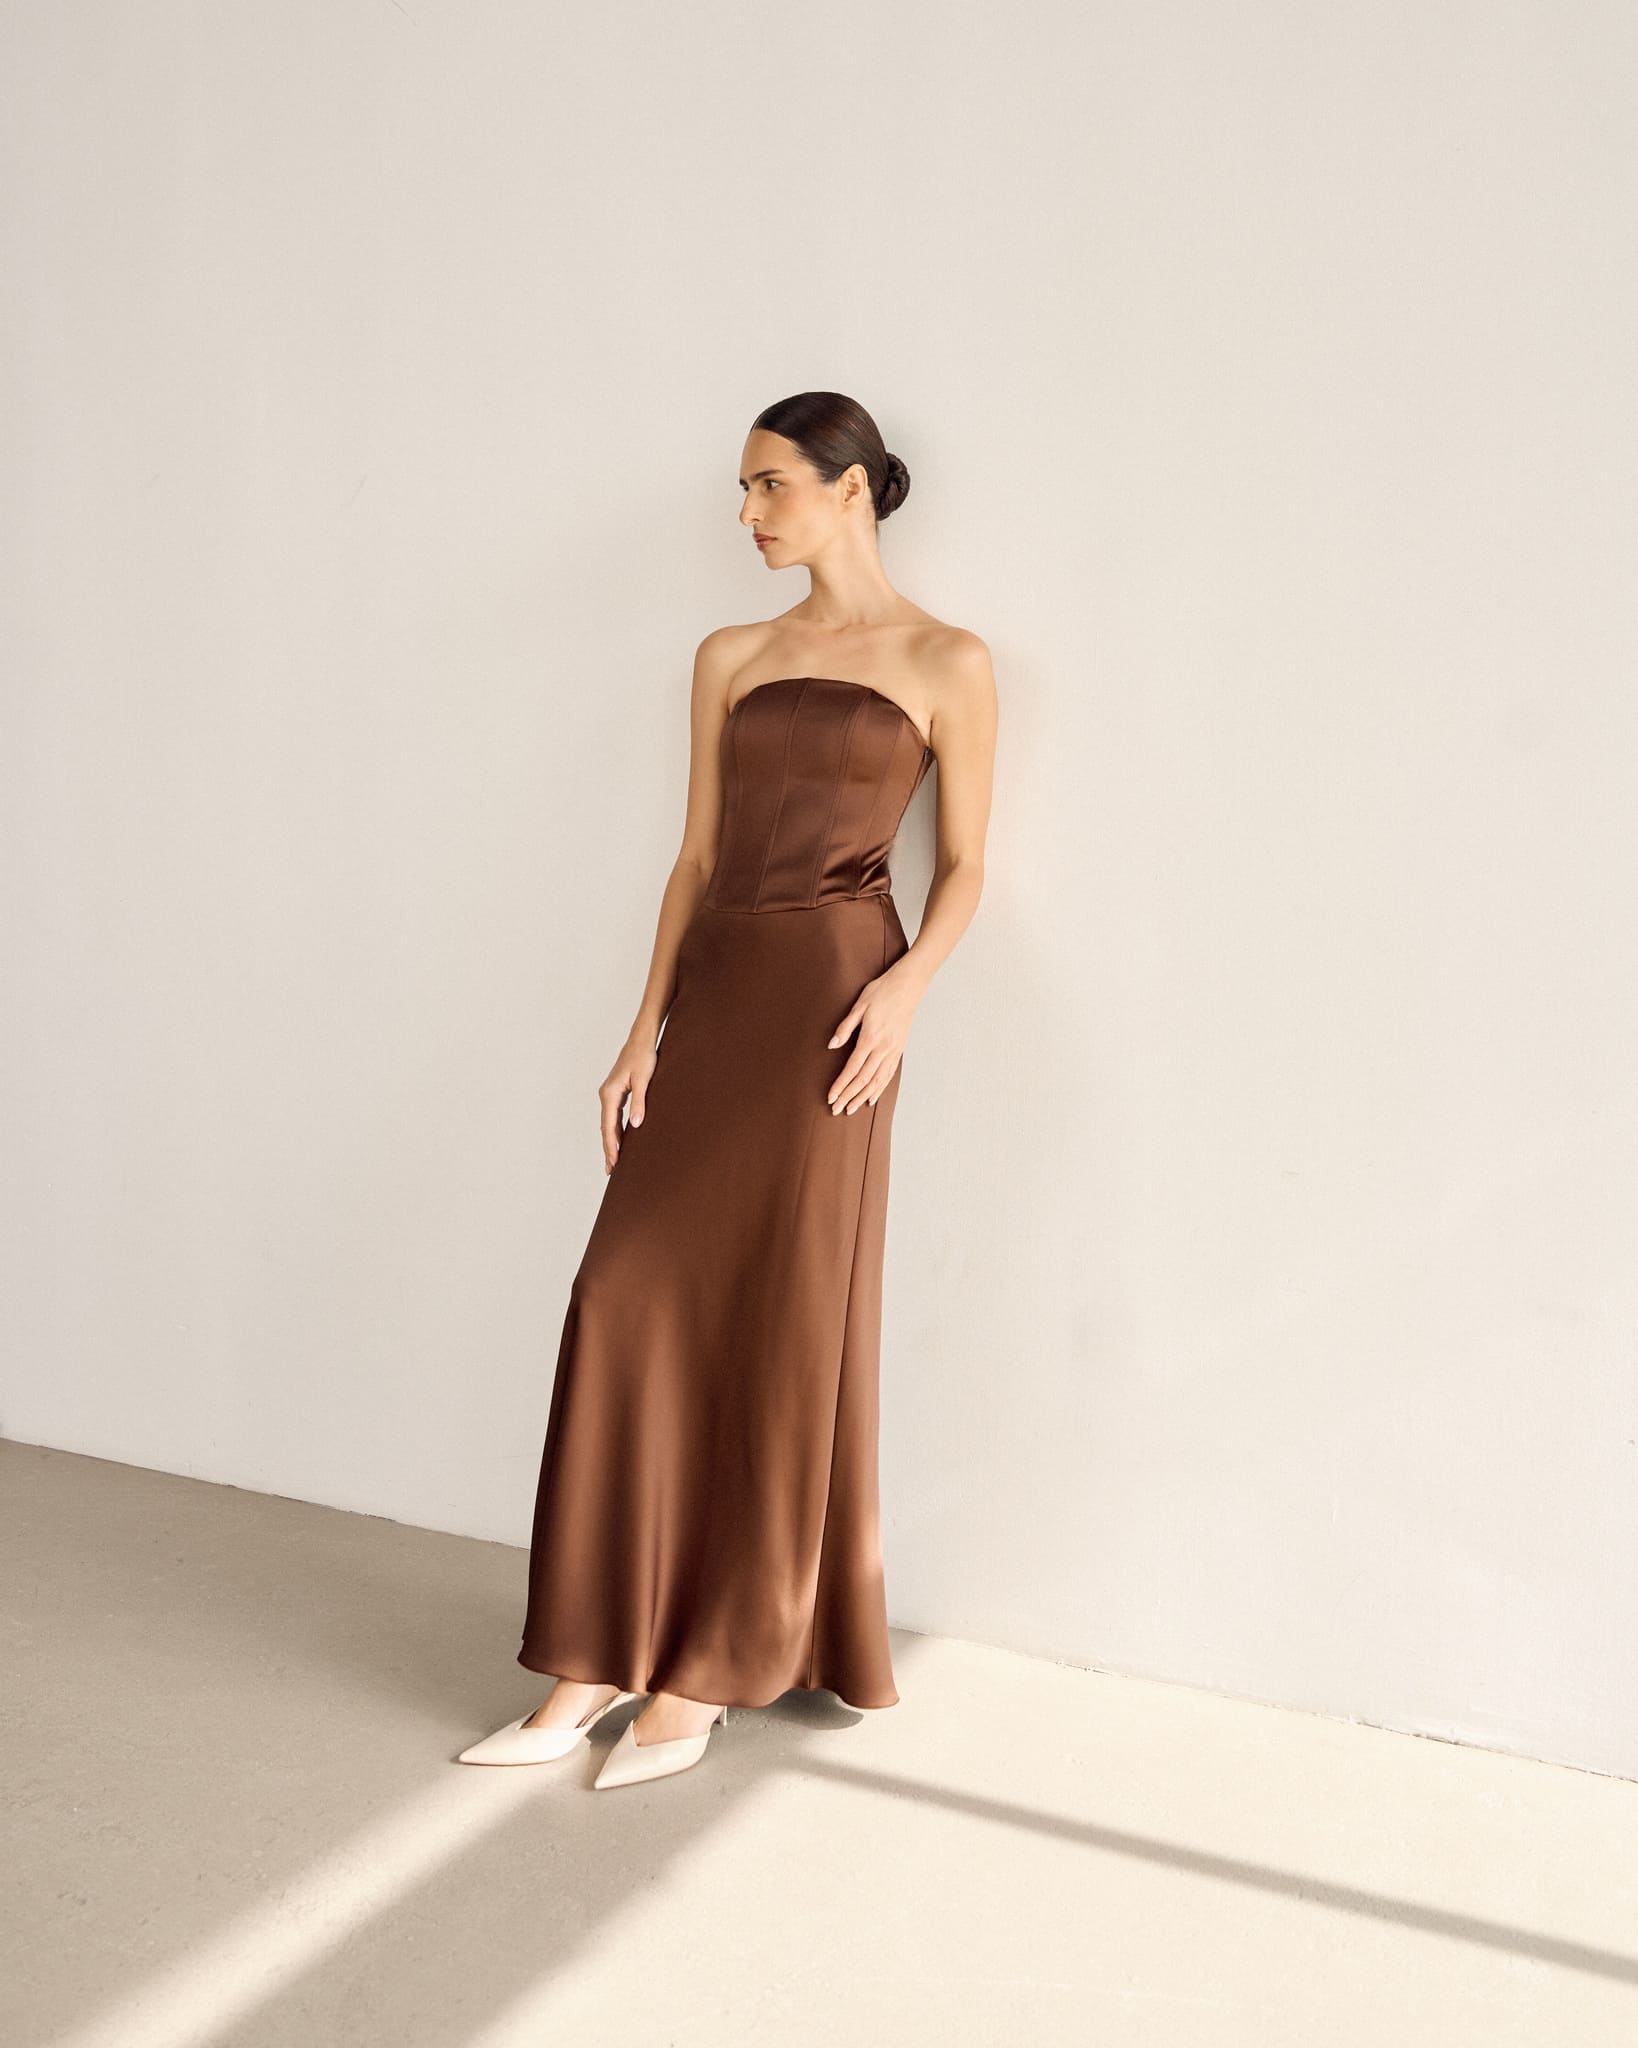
{"x":631,"y":1762}
{"x":515,"y":1744}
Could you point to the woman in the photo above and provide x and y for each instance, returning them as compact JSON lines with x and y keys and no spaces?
{"x":706,"y":1526}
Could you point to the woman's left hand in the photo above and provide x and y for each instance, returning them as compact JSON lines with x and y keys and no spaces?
{"x":882,"y":1013}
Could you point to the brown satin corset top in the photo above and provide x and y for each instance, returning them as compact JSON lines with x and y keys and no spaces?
{"x":816,"y":775}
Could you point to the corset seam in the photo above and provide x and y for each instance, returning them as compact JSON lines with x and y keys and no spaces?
{"x":875,"y":806}
{"x":727,"y":813}
{"x":739,"y":774}
{"x":835,"y":793}
{"x":784,"y":787}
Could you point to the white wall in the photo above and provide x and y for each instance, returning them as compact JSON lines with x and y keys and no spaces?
{"x":1260,"y":1278}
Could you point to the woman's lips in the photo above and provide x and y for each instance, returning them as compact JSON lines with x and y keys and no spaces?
{"x":763,"y":539}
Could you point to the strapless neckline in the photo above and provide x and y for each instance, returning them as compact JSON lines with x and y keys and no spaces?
{"x":842,"y":682}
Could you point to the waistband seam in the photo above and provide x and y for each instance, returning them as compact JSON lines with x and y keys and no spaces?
{"x":790,"y":909}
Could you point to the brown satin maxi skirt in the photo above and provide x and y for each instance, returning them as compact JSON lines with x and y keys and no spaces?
{"x":706,"y":1521}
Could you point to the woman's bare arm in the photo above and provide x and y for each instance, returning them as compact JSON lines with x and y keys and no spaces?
{"x":685,"y":886}
{"x":962,"y":735}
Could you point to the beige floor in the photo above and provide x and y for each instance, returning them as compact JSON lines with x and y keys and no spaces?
{"x":233,"y":1817}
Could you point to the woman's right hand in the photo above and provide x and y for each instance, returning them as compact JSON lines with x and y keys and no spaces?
{"x":629,"y":1075}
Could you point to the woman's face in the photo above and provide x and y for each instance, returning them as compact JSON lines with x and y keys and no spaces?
{"x":788,"y":510}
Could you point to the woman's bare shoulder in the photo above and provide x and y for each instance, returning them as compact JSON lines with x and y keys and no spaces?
{"x":732,"y":642}
{"x":953,"y":649}
{"x":723,"y":653}
{"x":956,"y":672}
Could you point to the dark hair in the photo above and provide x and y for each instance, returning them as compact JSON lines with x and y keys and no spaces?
{"x":833,"y":432}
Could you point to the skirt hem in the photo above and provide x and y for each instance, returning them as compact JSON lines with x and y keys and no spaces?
{"x":559,"y":1667}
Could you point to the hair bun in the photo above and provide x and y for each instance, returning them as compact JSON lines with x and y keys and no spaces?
{"x":895,"y":490}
